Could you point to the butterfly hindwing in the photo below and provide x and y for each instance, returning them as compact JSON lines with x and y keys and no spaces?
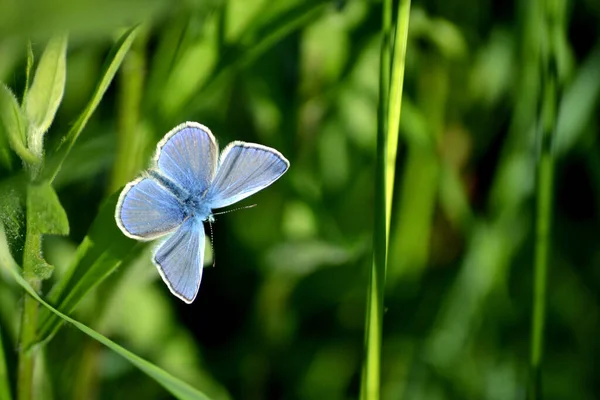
{"x":244,"y":169}
{"x":188,"y":156}
{"x":180,"y":259}
{"x":146,"y":210}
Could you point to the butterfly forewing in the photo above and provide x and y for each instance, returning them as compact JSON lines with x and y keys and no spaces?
{"x":188,"y":156}
{"x":146,"y":210}
{"x":180,"y":260}
{"x":244,"y":169}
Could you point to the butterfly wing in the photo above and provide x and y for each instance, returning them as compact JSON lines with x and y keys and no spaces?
{"x":180,"y":260}
{"x":188,"y":156}
{"x":146,"y":210}
{"x":244,"y":169}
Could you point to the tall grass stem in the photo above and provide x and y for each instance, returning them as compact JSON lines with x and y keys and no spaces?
{"x":390,"y":100}
{"x":547,"y":123}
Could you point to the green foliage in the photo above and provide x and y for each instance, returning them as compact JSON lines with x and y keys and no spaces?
{"x":45,"y":216}
{"x":113,"y":61}
{"x":14,"y":125}
{"x":179,"y":389}
{"x":102,"y":251}
{"x":43,"y":98}
{"x":44,"y":210}
{"x":282,"y":313}
{"x":4,"y":380}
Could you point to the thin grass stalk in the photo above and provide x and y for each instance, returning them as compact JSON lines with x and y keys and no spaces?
{"x":370,"y":380}
{"x":544,"y":189}
{"x":390,"y":100}
{"x":395,"y":104}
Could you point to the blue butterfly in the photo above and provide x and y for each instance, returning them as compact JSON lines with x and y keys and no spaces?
{"x":187,"y":181}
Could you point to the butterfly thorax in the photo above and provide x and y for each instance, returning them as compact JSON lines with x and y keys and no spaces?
{"x":194,"y":205}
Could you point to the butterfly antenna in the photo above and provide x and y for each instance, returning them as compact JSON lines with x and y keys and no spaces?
{"x":235,"y":209}
{"x":212,"y":244}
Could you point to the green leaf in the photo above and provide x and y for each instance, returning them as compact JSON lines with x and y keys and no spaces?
{"x":4,"y":382}
{"x":114,"y":60}
{"x":45,"y":211}
{"x":175,"y":386}
{"x":45,"y":215}
{"x":14,"y":126}
{"x":102,"y":251}
{"x":46,"y":92}
{"x":28,"y":69}
{"x":5,"y":153}
{"x":13,"y":195}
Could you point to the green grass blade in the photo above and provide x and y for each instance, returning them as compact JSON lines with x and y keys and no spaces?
{"x":4,"y":381}
{"x":46,"y":92}
{"x":178,"y":388}
{"x":114,"y":60}
{"x":390,"y":102}
{"x":370,"y":381}
{"x":395,"y":103}
{"x":102,"y":251}
{"x":553,"y":28}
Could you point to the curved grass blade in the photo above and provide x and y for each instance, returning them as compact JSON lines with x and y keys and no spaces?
{"x":178,"y":388}
{"x":114,"y":60}
{"x":102,"y":251}
{"x":4,"y":382}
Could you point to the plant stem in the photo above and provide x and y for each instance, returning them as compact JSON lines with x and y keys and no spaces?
{"x":370,"y":380}
{"x":390,"y":100}
{"x":544,"y":191}
{"x":4,"y":381}
{"x":29,"y":316}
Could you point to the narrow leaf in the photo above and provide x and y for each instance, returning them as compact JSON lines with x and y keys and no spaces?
{"x":13,"y":125}
{"x":46,"y":92}
{"x":114,"y":60}
{"x":103,"y":250}
{"x":4,"y":382}
{"x":175,"y":386}
{"x":28,"y":69}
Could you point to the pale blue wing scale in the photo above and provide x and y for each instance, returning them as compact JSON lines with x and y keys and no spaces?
{"x":188,"y":156}
{"x":147,"y":210}
{"x":244,"y":169}
{"x":179,"y":260}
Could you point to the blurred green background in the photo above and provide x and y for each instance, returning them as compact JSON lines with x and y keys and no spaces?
{"x":281,"y":315}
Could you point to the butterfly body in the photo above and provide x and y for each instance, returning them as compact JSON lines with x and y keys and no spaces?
{"x":186,"y":183}
{"x":194,"y":203}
